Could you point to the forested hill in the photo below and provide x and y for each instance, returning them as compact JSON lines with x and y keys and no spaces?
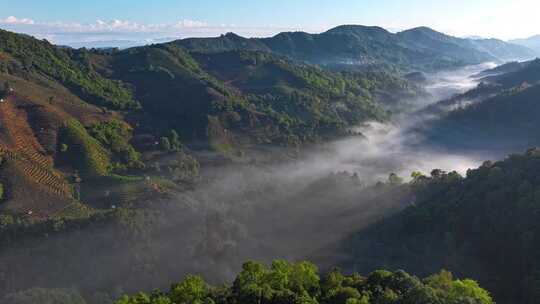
{"x":500,"y":114}
{"x":484,"y":226}
{"x":94,"y":115}
{"x":354,"y":45}
{"x":256,"y":96}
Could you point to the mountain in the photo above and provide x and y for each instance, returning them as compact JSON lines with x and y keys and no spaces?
{"x":47,"y":94}
{"x":513,"y":66}
{"x":252,"y":95}
{"x":473,"y":49}
{"x":77,"y":123}
{"x":499,"y":114}
{"x":484,"y":225}
{"x":345,"y":45}
{"x":524,"y":73}
{"x":432,"y":42}
{"x":356,"y":45}
{"x":531,"y":42}
{"x":503,"y":51}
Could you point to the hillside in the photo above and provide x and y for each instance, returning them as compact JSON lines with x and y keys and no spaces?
{"x":500,"y":114}
{"x":355,"y":45}
{"x":244,"y":96}
{"x":531,"y":42}
{"x":504,"y":51}
{"x":528,"y":72}
{"x":32,"y":118}
{"x":79,"y":124}
{"x":62,"y":130}
{"x":513,"y":66}
{"x":474,"y":50}
{"x":483,"y":226}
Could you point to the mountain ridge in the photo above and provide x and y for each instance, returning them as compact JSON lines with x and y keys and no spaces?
{"x":364,"y":45}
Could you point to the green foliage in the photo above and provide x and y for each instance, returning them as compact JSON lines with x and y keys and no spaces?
{"x":86,"y":154}
{"x":282,"y":282}
{"x":165,"y":144}
{"x":115,"y":135}
{"x":304,"y":102}
{"x":154,"y":298}
{"x":6,"y":221}
{"x":286,"y":283}
{"x":171,"y":142}
{"x":193,"y":290}
{"x":69,"y":67}
{"x":457,"y":291}
{"x":483,"y":226}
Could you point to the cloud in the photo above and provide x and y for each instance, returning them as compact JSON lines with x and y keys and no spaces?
{"x":102,"y":32}
{"x":15,"y":20}
{"x":116,"y":25}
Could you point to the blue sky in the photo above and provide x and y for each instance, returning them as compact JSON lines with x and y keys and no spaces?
{"x":66,"y":21}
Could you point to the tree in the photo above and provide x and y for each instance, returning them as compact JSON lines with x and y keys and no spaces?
{"x":193,"y":290}
{"x":165,"y":144}
{"x":174,"y":138}
{"x":288,"y":283}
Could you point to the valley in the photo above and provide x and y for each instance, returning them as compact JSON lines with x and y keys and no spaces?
{"x":125,"y":170}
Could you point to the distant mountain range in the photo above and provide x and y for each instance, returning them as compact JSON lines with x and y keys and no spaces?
{"x":531,"y":42}
{"x":352,"y":45}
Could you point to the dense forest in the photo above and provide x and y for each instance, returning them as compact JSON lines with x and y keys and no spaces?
{"x":284,"y":282}
{"x":484,"y":225}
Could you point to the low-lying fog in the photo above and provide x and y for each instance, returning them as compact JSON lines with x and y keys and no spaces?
{"x":296,"y":210}
{"x":393,"y":147}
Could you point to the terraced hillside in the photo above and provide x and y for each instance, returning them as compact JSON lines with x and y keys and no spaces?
{"x":31,"y":116}
{"x":27,"y":168}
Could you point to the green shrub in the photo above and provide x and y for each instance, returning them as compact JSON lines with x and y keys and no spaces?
{"x":115,"y":135}
{"x":86,"y":154}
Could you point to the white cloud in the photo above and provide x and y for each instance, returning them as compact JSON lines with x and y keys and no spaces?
{"x":101,"y":31}
{"x":116,"y":25}
{"x":15,"y":20}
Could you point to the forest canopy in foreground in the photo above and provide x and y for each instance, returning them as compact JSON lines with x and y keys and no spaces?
{"x":288,"y":283}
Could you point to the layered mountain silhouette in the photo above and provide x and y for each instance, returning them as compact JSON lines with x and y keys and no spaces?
{"x":350,"y":45}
